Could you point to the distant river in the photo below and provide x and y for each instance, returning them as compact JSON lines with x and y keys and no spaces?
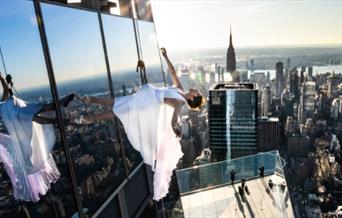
{"x":316,"y":70}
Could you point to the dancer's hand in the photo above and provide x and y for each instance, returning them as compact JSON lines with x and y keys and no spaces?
{"x":164,"y":53}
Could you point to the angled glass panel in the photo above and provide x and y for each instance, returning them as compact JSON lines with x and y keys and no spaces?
{"x":78,"y":60}
{"x":123,"y":58}
{"x":150,"y":53}
{"x":28,"y":166}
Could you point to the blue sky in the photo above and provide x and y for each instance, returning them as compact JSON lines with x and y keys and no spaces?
{"x":20,"y":43}
{"x":74,"y":41}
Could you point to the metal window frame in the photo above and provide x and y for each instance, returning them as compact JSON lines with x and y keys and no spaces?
{"x":55,"y":96}
{"x":61,"y":126}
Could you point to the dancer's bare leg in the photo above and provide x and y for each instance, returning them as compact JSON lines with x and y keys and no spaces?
{"x":108,"y":115}
{"x":103,"y":101}
{"x":63,"y":101}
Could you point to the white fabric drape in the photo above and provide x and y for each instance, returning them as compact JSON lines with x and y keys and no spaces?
{"x":147,"y":122}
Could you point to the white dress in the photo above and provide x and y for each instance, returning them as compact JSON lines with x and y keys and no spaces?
{"x":147,"y":122}
{"x":25,"y":152}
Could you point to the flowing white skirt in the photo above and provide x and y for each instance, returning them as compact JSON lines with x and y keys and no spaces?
{"x":25,"y":152}
{"x":147,"y":122}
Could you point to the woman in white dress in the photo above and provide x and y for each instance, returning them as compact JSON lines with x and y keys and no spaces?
{"x":150,"y":117}
{"x":25,"y":151}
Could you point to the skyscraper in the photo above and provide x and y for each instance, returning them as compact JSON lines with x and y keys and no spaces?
{"x":294,"y":82}
{"x":231,"y":61}
{"x":288,"y":63}
{"x":310,"y":72}
{"x":233,"y":109}
{"x":252,"y":66}
{"x":279,"y":78}
{"x":307,"y":100}
{"x":302,"y":74}
{"x":268,"y":134}
{"x":266,"y":101}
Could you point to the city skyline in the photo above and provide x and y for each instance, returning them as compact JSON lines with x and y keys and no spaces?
{"x":205,"y":24}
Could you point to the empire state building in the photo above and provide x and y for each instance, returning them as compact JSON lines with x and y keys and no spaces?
{"x":231,"y":62}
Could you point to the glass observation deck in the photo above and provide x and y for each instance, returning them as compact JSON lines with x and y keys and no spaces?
{"x":207,"y":190}
{"x":216,"y":174}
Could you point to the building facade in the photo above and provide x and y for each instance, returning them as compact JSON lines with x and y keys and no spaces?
{"x":266,"y":101}
{"x":268,"y":134}
{"x":233,"y":111}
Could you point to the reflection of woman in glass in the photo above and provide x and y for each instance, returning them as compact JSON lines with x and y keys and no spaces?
{"x":150,"y":120}
{"x":25,"y":152}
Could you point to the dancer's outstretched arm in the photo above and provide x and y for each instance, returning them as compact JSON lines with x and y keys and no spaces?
{"x":177,"y":105}
{"x":172,"y":70}
{"x":6,"y":92}
{"x":174,"y":121}
{"x":63,"y":101}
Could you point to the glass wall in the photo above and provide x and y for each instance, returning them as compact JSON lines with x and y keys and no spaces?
{"x":21,"y":176}
{"x":218,"y":173}
{"x":150,"y":53}
{"x":102,"y":156}
{"x":123,"y":58}
{"x":79,"y":65}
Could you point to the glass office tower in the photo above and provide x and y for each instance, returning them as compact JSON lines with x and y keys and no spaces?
{"x":233,"y":110}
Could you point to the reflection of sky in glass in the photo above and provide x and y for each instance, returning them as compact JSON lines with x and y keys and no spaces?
{"x":21,"y":46}
{"x":122,"y":51}
{"x":149,"y":44}
{"x":74,"y":41}
{"x":120,"y":41}
{"x":150,"y":52}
